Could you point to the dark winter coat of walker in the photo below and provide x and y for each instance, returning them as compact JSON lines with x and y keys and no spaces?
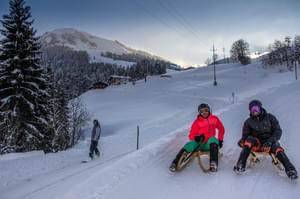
{"x":96,"y":132}
{"x":202,"y":136}
{"x":261,"y":132}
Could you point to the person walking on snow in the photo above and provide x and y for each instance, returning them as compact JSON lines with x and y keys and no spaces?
{"x":203,"y":130}
{"x":96,"y":132}
{"x":261,"y":132}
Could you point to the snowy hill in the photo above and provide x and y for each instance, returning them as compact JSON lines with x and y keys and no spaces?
{"x":79,"y":40}
{"x":164,"y":109}
{"x":93,"y":45}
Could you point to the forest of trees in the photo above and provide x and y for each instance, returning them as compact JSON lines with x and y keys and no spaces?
{"x":73,"y":71}
{"x":36,"y":113}
{"x":283,"y":52}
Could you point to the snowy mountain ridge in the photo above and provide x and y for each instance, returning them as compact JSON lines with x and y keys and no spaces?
{"x":93,"y":45}
{"x":79,"y":40}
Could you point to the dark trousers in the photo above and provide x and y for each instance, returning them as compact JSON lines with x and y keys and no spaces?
{"x":254,"y":143}
{"x":93,"y":147}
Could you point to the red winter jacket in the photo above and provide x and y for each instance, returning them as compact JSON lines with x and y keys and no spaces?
{"x":207,"y":127}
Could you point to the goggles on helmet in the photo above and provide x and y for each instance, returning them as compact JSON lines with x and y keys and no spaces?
{"x":255,"y":108}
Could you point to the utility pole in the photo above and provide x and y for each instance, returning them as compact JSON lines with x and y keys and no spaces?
{"x":224,"y":55}
{"x":214,"y":60}
{"x":287,"y":39}
{"x":296,"y":75}
{"x":137,"y":137}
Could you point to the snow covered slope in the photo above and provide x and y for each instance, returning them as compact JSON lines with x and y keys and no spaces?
{"x":93,"y":45}
{"x":164,"y":108}
{"x":79,"y":40}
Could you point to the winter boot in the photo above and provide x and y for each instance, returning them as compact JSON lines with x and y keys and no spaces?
{"x":98,"y":154}
{"x":239,"y":167}
{"x":291,"y":173}
{"x":214,"y":150}
{"x":173,"y":166}
{"x":241,"y":164}
{"x":213,"y":166}
{"x":289,"y":167}
{"x":91,"y":156}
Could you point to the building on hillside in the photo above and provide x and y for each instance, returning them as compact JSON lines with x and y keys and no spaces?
{"x":117,"y":80}
{"x":99,"y":85}
{"x":165,"y":76}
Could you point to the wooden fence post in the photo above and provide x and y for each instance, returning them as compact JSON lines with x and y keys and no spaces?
{"x":137,"y":137}
{"x":296,"y":75}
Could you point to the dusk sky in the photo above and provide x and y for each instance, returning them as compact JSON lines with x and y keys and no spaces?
{"x":182,"y":31}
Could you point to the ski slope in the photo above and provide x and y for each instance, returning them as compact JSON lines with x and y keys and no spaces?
{"x":164,"y":109}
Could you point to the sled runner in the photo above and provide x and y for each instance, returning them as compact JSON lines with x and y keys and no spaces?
{"x":187,"y":157}
{"x":254,"y":159}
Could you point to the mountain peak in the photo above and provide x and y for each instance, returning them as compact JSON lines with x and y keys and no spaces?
{"x":79,"y":40}
{"x":95,"y":46}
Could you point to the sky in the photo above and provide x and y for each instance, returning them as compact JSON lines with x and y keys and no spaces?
{"x":183,"y":31}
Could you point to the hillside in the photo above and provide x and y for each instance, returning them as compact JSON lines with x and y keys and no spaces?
{"x":164,"y":109}
{"x":96,"y":47}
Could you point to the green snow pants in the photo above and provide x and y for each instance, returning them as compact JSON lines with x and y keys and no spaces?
{"x":192,"y":145}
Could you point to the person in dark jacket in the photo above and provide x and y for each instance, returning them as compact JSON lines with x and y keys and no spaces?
{"x":203,"y":130}
{"x":262,"y":132}
{"x":96,"y":132}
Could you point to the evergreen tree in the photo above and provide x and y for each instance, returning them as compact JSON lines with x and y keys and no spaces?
{"x":63,"y":138}
{"x":23,"y":89}
{"x":59,"y":120}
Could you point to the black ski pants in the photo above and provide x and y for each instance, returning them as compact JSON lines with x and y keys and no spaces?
{"x":256,"y":144}
{"x":94,"y":147}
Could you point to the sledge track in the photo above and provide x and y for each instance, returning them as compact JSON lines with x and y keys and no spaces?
{"x":159,"y":182}
{"x":44,"y":184}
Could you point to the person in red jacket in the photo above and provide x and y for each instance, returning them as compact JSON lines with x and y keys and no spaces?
{"x":204,"y":130}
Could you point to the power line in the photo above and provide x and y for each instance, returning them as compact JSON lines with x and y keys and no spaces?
{"x":187,"y":27}
{"x":156,"y":17}
{"x":195,"y":32}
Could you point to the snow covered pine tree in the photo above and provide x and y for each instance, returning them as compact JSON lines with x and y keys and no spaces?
{"x":23,"y":89}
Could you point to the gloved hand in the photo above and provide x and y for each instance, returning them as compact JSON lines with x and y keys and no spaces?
{"x":220,"y":143}
{"x":199,"y":138}
{"x":267,"y":147}
{"x":241,"y":142}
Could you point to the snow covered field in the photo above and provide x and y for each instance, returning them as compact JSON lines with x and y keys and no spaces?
{"x":164,"y":109}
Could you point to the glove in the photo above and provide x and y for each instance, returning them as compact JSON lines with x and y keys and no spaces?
{"x":199,"y":138}
{"x":267,"y":147}
{"x":220,"y":143}
{"x":241,"y":142}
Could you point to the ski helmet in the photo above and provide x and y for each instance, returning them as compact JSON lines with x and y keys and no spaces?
{"x":255,"y":103}
{"x":202,"y":106}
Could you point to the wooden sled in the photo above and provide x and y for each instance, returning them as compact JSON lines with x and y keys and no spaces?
{"x":255,"y":155}
{"x":186,"y":158}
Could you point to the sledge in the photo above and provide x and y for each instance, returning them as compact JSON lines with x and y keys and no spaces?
{"x":90,"y":159}
{"x":254,"y":159}
{"x":86,"y":161}
{"x":187,"y":157}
